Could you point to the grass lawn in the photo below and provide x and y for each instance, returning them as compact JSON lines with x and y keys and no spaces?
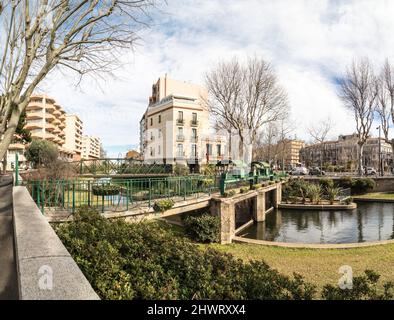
{"x":318,"y":266}
{"x":378,"y":195}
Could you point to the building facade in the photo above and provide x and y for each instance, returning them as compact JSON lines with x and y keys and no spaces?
{"x":344,"y":152}
{"x":73,"y":136}
{"x":175,"y":127}
{"x":45,"y":119}
{"x":91,"y":147}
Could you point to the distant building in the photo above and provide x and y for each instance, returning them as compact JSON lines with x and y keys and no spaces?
{"x":73,"y":138}
{"x":45,"y":119}
{"x":132,"y":154}
{"x":175,"y":127}
{"x":13,"y":149}
{"x":344,"y":152}
{"x":91,"y":148}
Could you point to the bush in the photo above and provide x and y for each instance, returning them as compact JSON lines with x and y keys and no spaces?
{"x":105,"y":190}
{"x":204,"y":228}
{"x":229,"y":194}
{"x":364,"y":288}
{"x":41,"y":153}
{"x":332,"y":193}
{"x":206,"y":182}
{"x":147,"y":261}
{"x":163,"y":205}
{"x":345,"y":182}
{"x":348,"y":201}
{"x":256,"y":187}
{"x":326,"y":183}
{"x":244,"y":190}
{"x":181,"y":170}
{"x":362,"y":185}
{"x":314,"y":193}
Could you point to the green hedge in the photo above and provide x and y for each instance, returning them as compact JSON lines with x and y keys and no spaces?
{"x":147,"y":261}
{"x":105,"y":190}
{"x":163,"y":205}
{"x":203,"y":228}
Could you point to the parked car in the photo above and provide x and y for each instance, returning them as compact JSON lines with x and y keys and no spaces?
{"x":300,"y":171}
{"x":370,"y":171}
{"x":316,"y":171}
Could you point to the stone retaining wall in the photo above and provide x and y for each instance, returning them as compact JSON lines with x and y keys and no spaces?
{"x":46,"y":270}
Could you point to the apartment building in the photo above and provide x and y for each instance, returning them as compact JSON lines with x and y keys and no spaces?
{"x":175,"y":127}
{"x":74,"y":133}
{"x":46,"y":119}
{"x":91,"y":148}
{"x":344,"y":152}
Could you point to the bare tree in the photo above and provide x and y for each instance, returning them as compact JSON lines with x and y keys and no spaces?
{"x":85,"y":36}
{"x":385,"y":100}
{"x":359,"y":93}
{"x":246,"y":97}
{"x":320,"y":130}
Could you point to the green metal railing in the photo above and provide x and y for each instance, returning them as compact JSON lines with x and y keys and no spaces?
{"x":69,"y":195}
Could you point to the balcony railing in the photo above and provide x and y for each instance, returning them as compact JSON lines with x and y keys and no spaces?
{"x":180,"y":122}
{"x":180,"y":138}
{"x":194,"y":123}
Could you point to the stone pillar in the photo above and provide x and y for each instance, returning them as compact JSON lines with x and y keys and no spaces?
{"x":259,"y":207}
{"x":278,"y":195}
{"x":225,"y":208}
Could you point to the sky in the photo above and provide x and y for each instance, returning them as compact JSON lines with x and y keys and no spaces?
{"x":309,"y":44}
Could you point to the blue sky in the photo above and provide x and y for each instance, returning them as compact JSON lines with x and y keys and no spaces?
{"x":308,"y":42}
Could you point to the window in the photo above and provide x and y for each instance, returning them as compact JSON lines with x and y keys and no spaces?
{"x":159,"y":133}
{"x":194,"y":133}
{"x":180,"y":131}
{"x":159,"y":150}
{"x":179,"y":151}
{"x":219,"y":149}
{"x":194,"y":150}
{"x":151,"y":121}
{"x":180,"y":115}
{"x":159,"y":118}
{"x":209,"y":149}
{"x":194,"y":117}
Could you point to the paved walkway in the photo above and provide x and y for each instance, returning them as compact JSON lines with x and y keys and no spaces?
{"x":8,"y":279}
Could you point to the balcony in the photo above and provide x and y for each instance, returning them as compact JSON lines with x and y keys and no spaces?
{"x":180,"y":122}
{"x":34,"y":115}
{"x":180,"y":138}
{"x":194,"y":123}
{"x":33,"y":126}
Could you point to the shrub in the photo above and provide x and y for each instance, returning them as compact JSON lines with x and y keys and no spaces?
{"x":41,"y":153}
{"x":181,"y":170}
{"x":362,"y":185}
{"x":204,"y":228}
{"x":244,"y":190}
{"x":364,"y":288}
{"x":229,"y":193}
{"x":345,"y":182}
{"x":147,"y":261}
{"x":326,"y":183}
{"x":205,"y":183}
{"x":105,"y":190}
{"x":314,"y":193}
{"x":348,"y":200}
{"x":256,"y":187}
{"x":163,"y":205}
{"x":332,"y":193}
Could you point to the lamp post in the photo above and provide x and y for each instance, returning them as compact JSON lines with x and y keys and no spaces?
{"x":380,"y":153}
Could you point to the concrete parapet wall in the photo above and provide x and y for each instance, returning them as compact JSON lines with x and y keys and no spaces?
{"x":46,"y":270}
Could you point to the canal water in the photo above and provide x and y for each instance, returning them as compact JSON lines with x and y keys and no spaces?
{"x":370,"y":222}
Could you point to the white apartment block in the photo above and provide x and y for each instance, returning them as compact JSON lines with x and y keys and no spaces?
{"x":45,"y":119}
{"x":91,"y":148}
{"x":74,"y":134}
{"x":175,"y":128}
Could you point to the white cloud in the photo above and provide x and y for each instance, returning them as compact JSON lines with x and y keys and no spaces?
{"x":308,"y":42}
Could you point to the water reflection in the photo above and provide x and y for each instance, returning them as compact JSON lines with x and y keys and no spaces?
{"x":370,"y":222}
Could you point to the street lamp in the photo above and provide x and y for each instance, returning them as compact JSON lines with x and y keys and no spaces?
{"x":380,"y":153}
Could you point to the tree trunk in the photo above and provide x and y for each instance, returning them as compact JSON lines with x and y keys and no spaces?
{"x":360,"y":159}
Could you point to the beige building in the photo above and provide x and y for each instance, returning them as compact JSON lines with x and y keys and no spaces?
{"x":45,"y":119}
{"x":13,"y":149}
{"x":91,"y":148}
{"x":344,"y":152}
{"x":73,"y":138}
{"x":175,"y":127}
